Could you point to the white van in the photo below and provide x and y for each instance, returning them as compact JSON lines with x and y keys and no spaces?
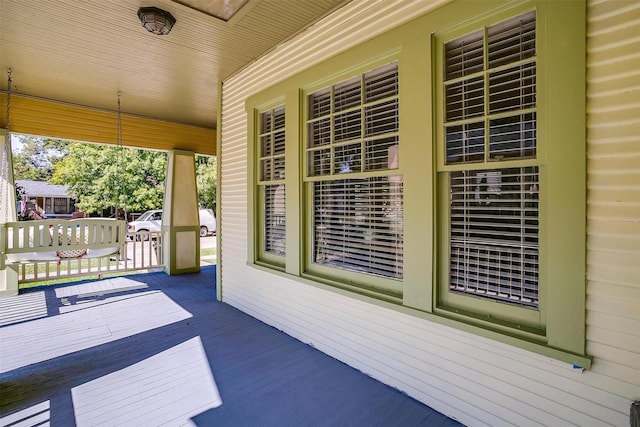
{"x":152,"y":221}
{"x":207,"y":222}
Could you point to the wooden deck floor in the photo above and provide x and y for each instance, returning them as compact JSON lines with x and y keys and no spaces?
{"x":153,"y":349}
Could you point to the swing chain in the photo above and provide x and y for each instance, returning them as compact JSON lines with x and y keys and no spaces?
{"x":6,"y":155}
{"x":119,"y":161}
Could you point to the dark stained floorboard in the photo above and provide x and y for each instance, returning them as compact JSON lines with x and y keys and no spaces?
{"x":199,"y":362}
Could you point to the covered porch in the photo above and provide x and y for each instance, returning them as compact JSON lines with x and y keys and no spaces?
{"x":240,"y":89}
{"x":153,"y":349}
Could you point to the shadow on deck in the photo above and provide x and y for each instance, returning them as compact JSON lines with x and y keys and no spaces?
{"x":152,"y":349}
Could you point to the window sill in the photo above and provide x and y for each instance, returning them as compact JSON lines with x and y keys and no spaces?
{"x":531,"y":341}
{"x":525,"y":338}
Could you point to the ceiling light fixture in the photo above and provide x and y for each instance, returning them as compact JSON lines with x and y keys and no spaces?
{"x":155,"y":20}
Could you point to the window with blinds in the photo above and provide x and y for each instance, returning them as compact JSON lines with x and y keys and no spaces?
{"x":494,"y":234}
{"x":271,"y":180}
{"x":489,"y":124}
{"x":352,"y":158}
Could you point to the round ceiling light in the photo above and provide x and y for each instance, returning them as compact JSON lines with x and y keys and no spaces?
{"x":156,"y":21}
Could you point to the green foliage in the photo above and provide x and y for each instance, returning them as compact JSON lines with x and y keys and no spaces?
{"x":206,"y":181}
{"x":37,"y":157}
{"x":102,"y":177}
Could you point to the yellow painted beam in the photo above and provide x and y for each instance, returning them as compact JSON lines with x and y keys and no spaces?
{"x":60,"y":120}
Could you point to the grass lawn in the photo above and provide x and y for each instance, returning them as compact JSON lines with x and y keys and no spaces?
{"x":208,"y":255}
{"x":73,"y":264}
{"x":208,"y":252}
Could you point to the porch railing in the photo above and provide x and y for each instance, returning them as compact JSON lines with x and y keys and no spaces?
{"x":58,"y":249}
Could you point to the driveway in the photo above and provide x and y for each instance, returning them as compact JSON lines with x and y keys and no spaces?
{"x":208,"y":242}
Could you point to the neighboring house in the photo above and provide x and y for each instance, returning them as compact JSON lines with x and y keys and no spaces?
{"x":48,"y":199}
{"x":437,"y":231}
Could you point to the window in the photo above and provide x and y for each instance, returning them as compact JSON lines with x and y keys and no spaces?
{"x":60,"y":205}
{"x":493,"y":234}
{"x":477,"y":220}
{"x":510,"y":176}
{"x":352,"y":161}
{"x":271,"y":181}
{"x":490,"y":167}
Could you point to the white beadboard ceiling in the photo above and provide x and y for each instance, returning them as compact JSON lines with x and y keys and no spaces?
{"x":85,"y":51}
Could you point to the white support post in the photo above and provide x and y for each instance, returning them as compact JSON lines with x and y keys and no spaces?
{"x":180,"y":219}
{"x":8,"y":273}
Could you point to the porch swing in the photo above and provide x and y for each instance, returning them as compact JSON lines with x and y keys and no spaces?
{"x":55,"y":240}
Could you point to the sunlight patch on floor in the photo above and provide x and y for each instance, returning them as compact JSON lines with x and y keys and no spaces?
{"x":103,"y":321}
{"x":21,"y":308}
{"x":100,"y":288}
{"x":35,"y":415}
{"x":169,"y":388}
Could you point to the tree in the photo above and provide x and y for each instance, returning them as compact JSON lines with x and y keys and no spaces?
{"x":206,"y":181}
{"x":103,"y":177}
{"x":37,"y":157}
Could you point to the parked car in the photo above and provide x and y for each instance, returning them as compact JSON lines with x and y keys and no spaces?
{"x":152,"y":221}
{"x":148,"y":221}
{"x":207,"y":222}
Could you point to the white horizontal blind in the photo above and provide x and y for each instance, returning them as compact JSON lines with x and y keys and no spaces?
{"x":271,"y":180}
{"x":358,"y":225}
{"x":502,"y":93}
{"x":353,"y":124}
{"x":353,"y":129}
{"x":494,"y":234}
{"x":274,"y":219}
{"x":490,"y":118}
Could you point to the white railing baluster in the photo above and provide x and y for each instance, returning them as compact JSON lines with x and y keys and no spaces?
{"x":137,"y":254}
{"x":35,"y":246}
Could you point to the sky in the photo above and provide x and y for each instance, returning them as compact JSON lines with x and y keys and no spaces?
{"x":16,"y":145}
